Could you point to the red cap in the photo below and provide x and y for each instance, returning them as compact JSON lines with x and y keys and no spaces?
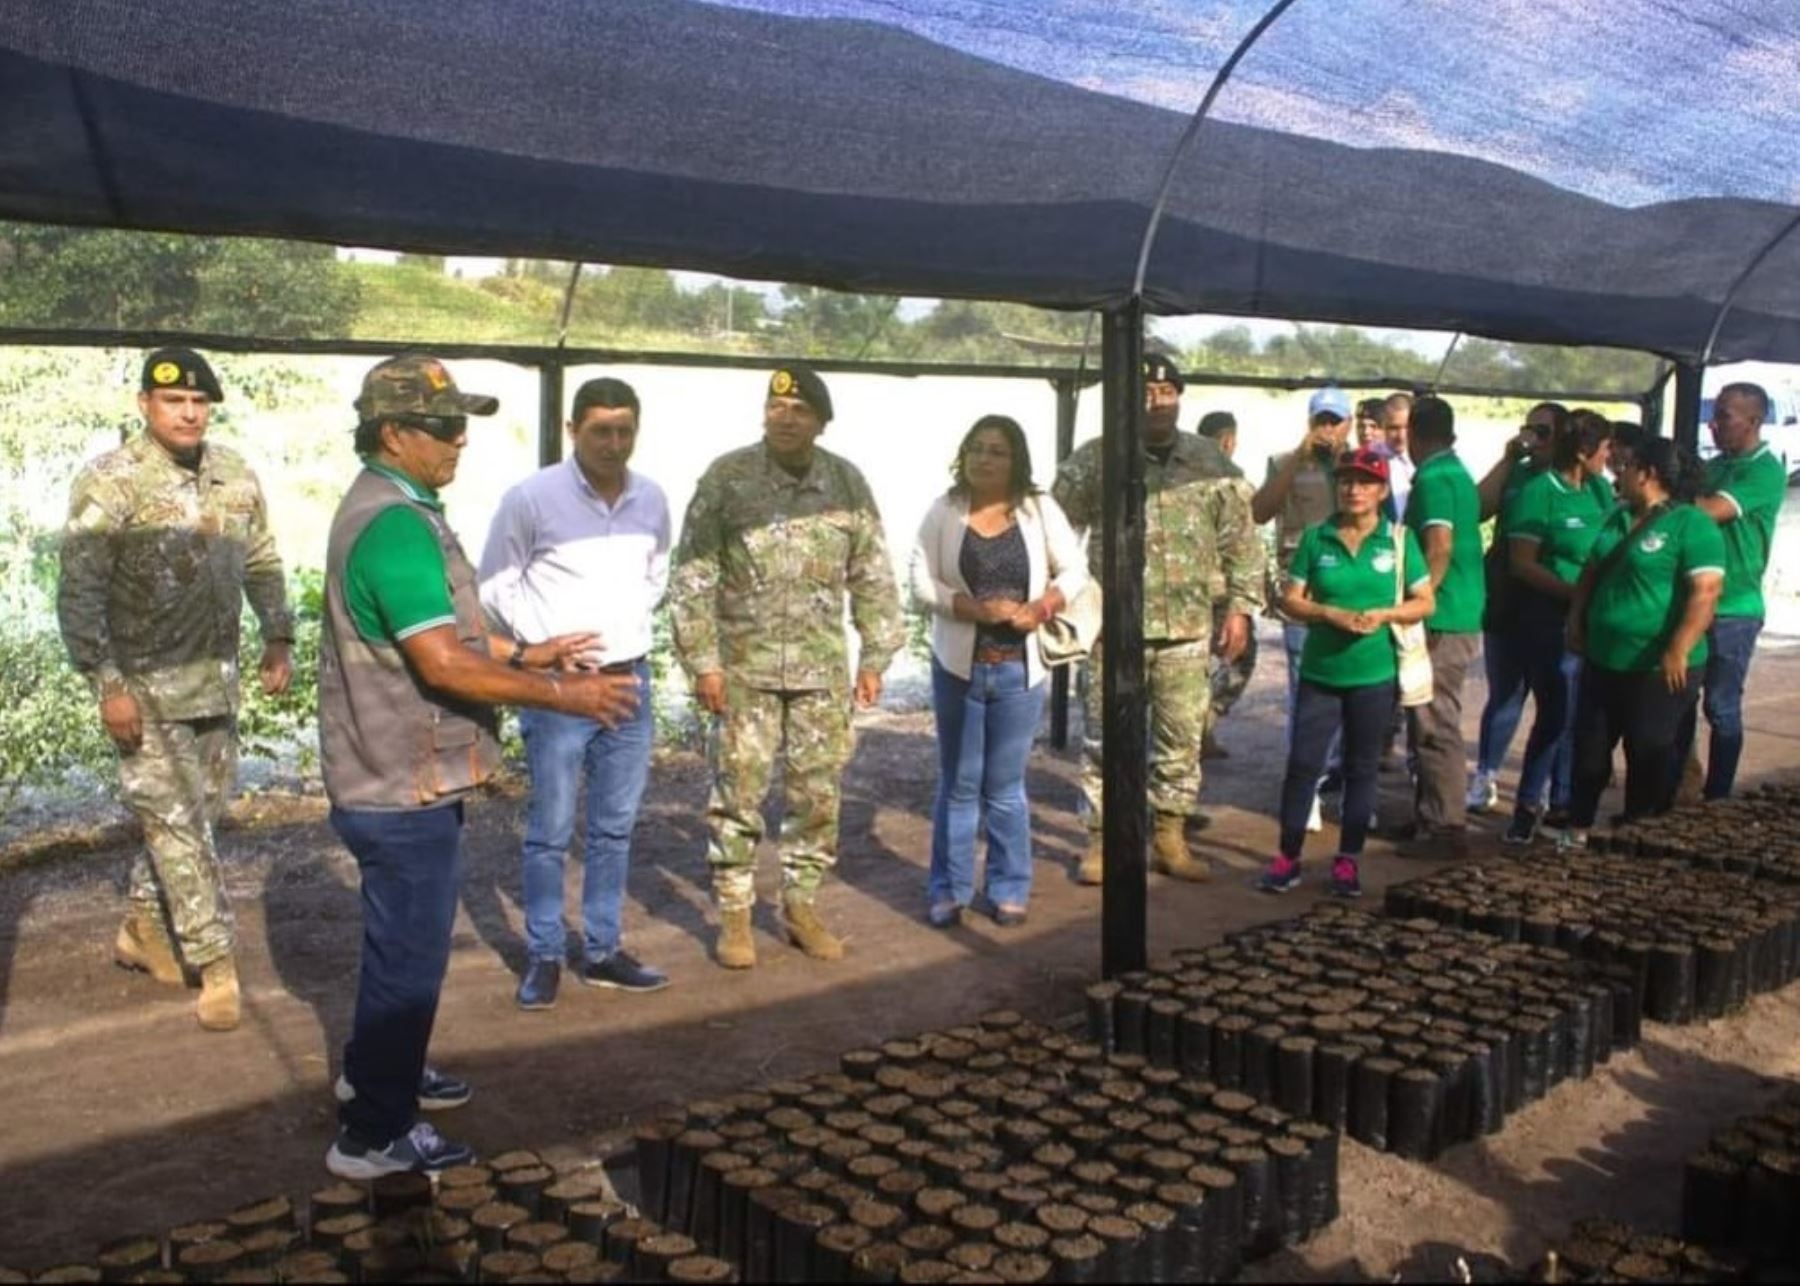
{"x":1364,"y":460}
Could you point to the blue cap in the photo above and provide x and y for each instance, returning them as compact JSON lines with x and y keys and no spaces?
{"x":1330,"y":400}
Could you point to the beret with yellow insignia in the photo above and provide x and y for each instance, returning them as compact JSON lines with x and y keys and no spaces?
{"x":180,"y":368}
{"x":796,"y":379}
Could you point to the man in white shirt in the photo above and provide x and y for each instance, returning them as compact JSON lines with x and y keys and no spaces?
{"x":583,"y":546}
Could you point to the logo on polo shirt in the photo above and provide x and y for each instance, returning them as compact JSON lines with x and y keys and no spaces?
{"x":1328,"y":560}
{"x":1574,"y":522}
{"x":1383,"y":561}
{"x":1653,"y":542}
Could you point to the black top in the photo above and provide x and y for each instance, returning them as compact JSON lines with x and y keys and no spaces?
{"x":996,"y":567}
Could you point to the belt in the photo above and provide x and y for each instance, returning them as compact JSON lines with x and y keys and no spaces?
{"x":999,"y":653}
{"x":621,"y":667}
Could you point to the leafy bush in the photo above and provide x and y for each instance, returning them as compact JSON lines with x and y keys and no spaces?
{"x":49,"y":721}
{"x":270,"y":725}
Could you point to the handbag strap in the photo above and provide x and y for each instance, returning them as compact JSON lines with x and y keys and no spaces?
{"x":1399,"y":566}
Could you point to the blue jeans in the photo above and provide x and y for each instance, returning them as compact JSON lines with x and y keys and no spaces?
{"x":563,"y":751}
{"x":1505,"y":706}
{"x":411,"y":864}
{"x":1293,"y":639}
{"x":1360,"y":716}
{"x":1552,"y":673}
{"x":1731,"y":643}
{"x":985,"y":726}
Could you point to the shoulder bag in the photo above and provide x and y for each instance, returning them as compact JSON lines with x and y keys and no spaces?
{"x":1071,"y":634}
{"x":1411,"y":646}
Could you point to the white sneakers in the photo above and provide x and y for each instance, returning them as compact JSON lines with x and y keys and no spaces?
{"x":1484,"y":791}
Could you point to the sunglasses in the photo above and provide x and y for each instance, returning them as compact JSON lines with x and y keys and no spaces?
{"x":445,"y":428}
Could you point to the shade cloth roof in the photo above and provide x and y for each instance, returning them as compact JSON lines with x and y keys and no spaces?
{"x":1583,"y":171}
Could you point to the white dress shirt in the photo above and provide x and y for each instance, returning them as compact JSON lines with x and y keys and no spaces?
{"x":560,"y":560}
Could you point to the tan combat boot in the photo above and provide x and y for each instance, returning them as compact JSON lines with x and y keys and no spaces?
{"x":735,"y":949}
{"x":1169,"y":850}
{"x":1092,"y":867}
{"x":218,"y":1007}
{"x":146,"y":951}
{"x":807,"y":931}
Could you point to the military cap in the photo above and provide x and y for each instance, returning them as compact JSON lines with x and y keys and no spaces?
{"x":1158,"y":369}
{"x":416,"y":384}
{"x":180,"y":368}
{"x":799,"y":380}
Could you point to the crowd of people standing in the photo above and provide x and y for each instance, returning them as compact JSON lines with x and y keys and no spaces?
{"x":1623,"y":581}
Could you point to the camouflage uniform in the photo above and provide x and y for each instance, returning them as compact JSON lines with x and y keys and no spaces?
{"x":757,"y":593}
{"x":1230,"y":678}
{"x":156,"y":562}
{"x":1198,"y":539}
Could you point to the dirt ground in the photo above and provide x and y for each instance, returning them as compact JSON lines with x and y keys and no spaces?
{"x":121,"y":1115}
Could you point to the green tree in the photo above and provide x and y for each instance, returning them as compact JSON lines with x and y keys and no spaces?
{"x":109,"y":279}
{"x":831,"y":323}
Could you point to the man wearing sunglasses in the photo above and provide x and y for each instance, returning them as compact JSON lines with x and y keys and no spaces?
{"x":408,"y":680}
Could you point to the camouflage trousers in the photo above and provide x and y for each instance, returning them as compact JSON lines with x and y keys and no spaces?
{"x":1179,"y":691}
{"x":1229,"y":678}
{"x":176,"y":782}
{"x":811,"y":732}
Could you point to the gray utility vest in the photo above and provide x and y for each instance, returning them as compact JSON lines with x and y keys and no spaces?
{"x":388,"y":742}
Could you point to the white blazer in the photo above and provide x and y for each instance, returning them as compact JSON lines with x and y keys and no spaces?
{"x":1056,"y":554}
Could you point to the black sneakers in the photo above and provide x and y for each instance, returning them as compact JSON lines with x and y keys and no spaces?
{"x":622,"y":972}
{"x":1522,"y":829}
{"x":438,"y":1092}
{"x":421,"y":1149}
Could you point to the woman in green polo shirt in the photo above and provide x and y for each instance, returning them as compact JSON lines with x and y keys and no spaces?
{"x":1346,"y":586}
{"x":1639,"y":617}
{"x":1550,"y":528}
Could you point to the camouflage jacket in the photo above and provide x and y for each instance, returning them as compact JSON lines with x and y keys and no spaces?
{"x":1199,"y":542}
{"x":763,"y":567}
{"x":156,"y":563}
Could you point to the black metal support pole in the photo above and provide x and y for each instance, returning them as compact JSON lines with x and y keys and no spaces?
{"x":1065,"y":443}
{"x":1687,"y":404}
{"x":550,"y":416}
{"x":1123,"y":903}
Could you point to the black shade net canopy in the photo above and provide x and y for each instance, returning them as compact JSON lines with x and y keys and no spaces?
{"x":1561,"y":171}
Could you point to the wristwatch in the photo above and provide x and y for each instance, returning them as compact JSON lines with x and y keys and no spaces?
{"x":517,"y":659}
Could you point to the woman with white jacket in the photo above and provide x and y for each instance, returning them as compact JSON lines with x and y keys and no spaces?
{"x":995,"y":560}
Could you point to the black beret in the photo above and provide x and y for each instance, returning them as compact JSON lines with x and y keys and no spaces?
{"x":180,"y":368}
{"x":799,"y":380}
{"x":1158,"y":369}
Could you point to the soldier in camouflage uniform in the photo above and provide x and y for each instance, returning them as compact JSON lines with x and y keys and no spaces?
{"x":1197,"y":530}
{"x":166,"y":538}
{"x":775,"y":538}
{"x":1229,"y":678}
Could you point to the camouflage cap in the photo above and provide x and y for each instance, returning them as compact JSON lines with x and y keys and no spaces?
{"x":180,"y":368}
{"x":416,"y":384}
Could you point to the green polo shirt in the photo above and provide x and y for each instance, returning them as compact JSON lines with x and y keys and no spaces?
{"x":1444,"y":495}
{"x":1564,"y":520}
{"x":1639,"y":596}
{"x":1756,"y":484}
{"x":395,"y":581}
{"x":1334,"y":577}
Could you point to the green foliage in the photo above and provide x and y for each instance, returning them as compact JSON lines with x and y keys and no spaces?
{"x":1347,"y":352}
{"x":108,"y":279}
{"x":268,"y":726}
{"x":49,"y":720}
